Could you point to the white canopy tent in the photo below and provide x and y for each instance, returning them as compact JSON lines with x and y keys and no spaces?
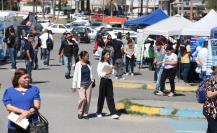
{"x":168,"y":27}
{"x":203,"y":26}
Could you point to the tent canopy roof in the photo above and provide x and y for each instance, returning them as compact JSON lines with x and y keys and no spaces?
{"x":168,"y":27}
{"x":150,"y":19}
{"x":203,"y":26}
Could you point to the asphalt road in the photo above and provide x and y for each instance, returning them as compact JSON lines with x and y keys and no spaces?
{"x":59,"y":104}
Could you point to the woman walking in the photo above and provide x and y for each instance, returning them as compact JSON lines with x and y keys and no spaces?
{"x":21,"y":99}
{"x":210,"y":106}
{"x":83,"y":80}
{"x":104,"y":70}
{"x":130,"y":56}
{"x":169,"y":71}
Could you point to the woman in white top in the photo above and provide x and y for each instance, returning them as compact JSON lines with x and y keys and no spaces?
{"x":169,"y":71}
{"x":130,"y":56}
{"x":104,"y":70}
{"x":83,"y":80}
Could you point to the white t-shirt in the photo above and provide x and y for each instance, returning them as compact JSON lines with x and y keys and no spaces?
{"x":202,"y":57}
{"x":172,"y":57}
{"x":44,"y":38}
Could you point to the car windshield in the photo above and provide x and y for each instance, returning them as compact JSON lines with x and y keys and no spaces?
{"x":79,"y":29}
{"x":78,"y":24}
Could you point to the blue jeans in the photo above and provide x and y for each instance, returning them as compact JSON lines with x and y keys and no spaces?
{"x":185,"y":68}
{"x":12,"y":53}
{"x":29,"y":67}
{"x":67,"y":65}
{"x":203,"y":75}
{"x":35,"y":58}
{"x":159,"y":71}
{"x":46,"y":56}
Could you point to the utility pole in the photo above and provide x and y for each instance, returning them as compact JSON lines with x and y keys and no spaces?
{"x":191,"y":10}
{"x":111,"y":9}
{"x":103,"y":4}
{"x":34,"y":6}
{"x":147,"y":4}
{"x":141,"y":6}
{"x":2,"y":5}
{"x":43,"y":9}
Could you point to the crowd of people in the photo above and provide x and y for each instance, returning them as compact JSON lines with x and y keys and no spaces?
{"x":116,"y":56}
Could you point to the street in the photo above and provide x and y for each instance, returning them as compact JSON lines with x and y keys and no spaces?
{"x":59,"y":104}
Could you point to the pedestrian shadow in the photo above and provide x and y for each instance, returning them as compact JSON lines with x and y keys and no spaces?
{"x":3,"y":68}
{"x":94,"y":115}
{"x":179,"y":95}
{"x":54,"y":65}
{"x":43,"y":68}
{"x":122,"y":111}
{"x":137,"y":73}
{"x":39,"y":82}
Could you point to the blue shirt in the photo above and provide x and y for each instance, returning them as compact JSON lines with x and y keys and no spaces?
{"x":85,"y":74}
{"x":21,"y":100}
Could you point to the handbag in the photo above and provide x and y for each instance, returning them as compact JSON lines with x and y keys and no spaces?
{"x":41,"y":126}
{"x":93,"y":83}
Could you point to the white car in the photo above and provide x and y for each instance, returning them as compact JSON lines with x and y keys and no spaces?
{"x":114,"y":33}
{"x":58,"y":28}
{"x":91,"y":33}
{"x":86,"y":22}
{"x":44,"y":23}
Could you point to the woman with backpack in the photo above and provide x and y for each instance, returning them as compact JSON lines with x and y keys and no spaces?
{"x":210,"y":105}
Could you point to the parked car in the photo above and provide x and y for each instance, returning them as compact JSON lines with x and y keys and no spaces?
{"x":91,"y":33}
{"x":58,"y":28}
{"x":44,"y":23}
{"x":86,"y":22}
{"x":74,"y":24}
{"x":83,"y":34}
{"x":95,"y":24}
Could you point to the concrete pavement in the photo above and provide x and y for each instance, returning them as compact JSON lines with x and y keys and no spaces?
{"x":59,"y":105}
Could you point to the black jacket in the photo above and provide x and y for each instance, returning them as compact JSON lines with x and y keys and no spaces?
{"x":68,"y":48}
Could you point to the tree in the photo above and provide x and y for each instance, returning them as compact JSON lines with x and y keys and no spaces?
{"x":212,"y":4}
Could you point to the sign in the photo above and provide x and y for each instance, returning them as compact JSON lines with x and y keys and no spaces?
{"x":141,"y":37}
{"x":1,"y":48}
{"x":212,"y":55}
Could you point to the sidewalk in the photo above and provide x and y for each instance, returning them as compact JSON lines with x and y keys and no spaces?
{"x":133,"y":84}
{"x":162,"y":108}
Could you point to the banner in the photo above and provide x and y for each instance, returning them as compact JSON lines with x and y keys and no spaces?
{"x":212,"y":55}
{"x":1,"y":48}
{"x":140,"y":45}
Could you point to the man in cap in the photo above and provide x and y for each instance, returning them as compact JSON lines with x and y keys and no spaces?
{"x":29,"y":55}
{"x":67,"y":47}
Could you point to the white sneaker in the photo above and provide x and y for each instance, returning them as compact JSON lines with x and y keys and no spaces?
{"x":99,"y":115}
{"x":116,"y":77}
{"x":115,"y":116}
{"x":132,"y":74}
{"x":171,"y":94}
{"x":123,"y":78}
{"x":160,"y":93}
{"x":12,"y":70}
{"x":127,"y":74}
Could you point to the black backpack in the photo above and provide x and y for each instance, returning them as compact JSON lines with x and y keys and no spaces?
{"x":49,"y":43}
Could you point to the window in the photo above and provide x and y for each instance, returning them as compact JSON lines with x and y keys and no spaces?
{"x":54,"y":26}
{"x":61,"y":26}
{"x":88,"y":30}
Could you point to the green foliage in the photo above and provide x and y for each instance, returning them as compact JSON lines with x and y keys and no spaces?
{"x":212,"y":4}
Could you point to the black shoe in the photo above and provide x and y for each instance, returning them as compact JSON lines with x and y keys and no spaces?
{"x":67,"y":76}
{"x":80,"y":116}
{"x":86,"y":117}
{"x":36,"y":67}
{"x":155,"y":92}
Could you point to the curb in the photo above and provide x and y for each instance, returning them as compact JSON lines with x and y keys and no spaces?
{"x":151,"y":86}
{"x":137,"y":109}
